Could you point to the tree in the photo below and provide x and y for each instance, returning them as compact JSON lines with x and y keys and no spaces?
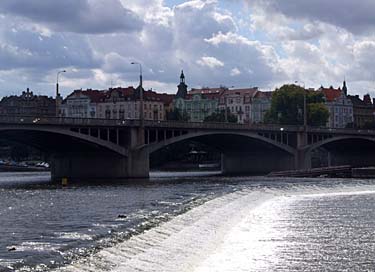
{"x":220,"y":117}
{"x":287,"y":107}
{"x":317,"y":114}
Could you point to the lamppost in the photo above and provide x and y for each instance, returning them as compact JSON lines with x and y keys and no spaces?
{"x":140,"y":94}
{"x":226,"y":103}
{"x":304,"y":105}
{"x":57,"y":92}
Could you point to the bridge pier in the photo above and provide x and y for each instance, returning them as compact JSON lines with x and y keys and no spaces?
{"x":302,"y":159}
{"x":256,"y":163}
{"x":80,"y":166}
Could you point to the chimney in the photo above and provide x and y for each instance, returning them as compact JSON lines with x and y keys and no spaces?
{"x":367,"y":99}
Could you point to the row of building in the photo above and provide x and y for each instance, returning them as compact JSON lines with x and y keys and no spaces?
{"x":248,"y":105}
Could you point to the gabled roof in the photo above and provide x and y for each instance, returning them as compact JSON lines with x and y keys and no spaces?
{"x":357,"y":101}
{"x":331,"y":94}
{"x":244,"y":91}
{"x":260,"y":94}
{"x":94,"y":95}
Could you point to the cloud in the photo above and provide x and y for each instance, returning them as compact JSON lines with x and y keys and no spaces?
{"x":79,"y":16}
{"x":357,"y":16}
{"x":235,"y":72}
{"x":21,"y":48}
{"x":266,"y":45}
{"x":210,"y":62}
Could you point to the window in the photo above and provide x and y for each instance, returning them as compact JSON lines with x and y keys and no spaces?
{"x":107,"y":114}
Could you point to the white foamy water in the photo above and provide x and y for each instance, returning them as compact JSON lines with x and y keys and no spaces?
{"x":242,"y":231}
{"x":180,"y":242}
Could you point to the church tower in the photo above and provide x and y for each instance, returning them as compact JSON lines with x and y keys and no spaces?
{"x":182,"y":87}
{"x":344,"y":88}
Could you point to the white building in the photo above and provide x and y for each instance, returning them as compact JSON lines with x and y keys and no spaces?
{"x":239,"y":103}
{"x":81,"y":104}
{"x":340,"y":107}
{"x":124,"y":103}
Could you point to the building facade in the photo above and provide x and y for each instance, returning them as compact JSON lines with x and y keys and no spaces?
{"x":28,"y":104}
{"x":198,"y":103}
{"x":116,"y":103}
{"x":238,"y":102}
{"x":261,"y":103}
{"x":340,"y":107}
{"x":81,"y":104}
{"x":363,"y":111}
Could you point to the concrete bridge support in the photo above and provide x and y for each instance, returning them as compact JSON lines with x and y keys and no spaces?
{"x":256,"y":164}
{"x":97,"y":164}
{"x":302,"y":159}
{"x":81,"y":166}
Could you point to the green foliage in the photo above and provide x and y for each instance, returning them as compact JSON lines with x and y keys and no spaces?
{"x":287,"y":107}
{"x":220,"y":117}
{"x":317,"y":114}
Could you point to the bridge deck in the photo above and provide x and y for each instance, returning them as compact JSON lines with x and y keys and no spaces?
{"x":95,"y":122}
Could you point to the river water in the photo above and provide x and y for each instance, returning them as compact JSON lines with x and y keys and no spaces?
{"x":179,"y":222}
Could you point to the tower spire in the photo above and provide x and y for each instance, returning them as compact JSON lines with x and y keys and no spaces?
{"x":344,"y":88}
{"x":182,"y":77}
{"x":182,"y":87}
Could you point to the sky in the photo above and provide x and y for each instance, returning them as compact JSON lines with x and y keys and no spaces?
{"x":239,"y":43}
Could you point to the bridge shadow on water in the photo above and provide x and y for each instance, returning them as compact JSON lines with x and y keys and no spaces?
{"x":42,"y":181}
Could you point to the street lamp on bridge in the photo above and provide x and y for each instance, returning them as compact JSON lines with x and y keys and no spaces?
{"x":140,"y":93}
{"x":58,"y":97}
{"x":304,"y":105}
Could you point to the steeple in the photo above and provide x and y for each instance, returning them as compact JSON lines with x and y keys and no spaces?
{"x":344,"y":88}
{"x":182,"y":87}
{"x":182,"y":77}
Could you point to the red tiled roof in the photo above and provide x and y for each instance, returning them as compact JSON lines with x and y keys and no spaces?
{"x":260,"y":94}
{"x":330,"y":93}
{"x":154,"y":96}
{"x":94,"y":95}
{"x":129,"y":91}
{"x":97,"y":96}
{"x":244,"y":91}
{"x":206,"y":91}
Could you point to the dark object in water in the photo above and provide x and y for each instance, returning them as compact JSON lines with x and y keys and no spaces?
{"x":121,"y":216}
{"x":12,"y":249}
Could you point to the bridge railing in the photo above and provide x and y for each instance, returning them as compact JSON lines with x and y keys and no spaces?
{"x":50,"y":120}
{"x":135,"y":123}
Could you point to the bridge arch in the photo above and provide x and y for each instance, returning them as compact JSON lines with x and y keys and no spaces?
{"x":46,"y":138}
{"x":241,"y":152}
{"x":196,"y":135}
{"x":337,"y":139}
{"x":345,"y":150}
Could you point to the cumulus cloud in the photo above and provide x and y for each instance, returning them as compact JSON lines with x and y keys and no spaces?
{"x":20,"y":48}
{"x":266,"y":45}
{"x":235,"y":72}
{"x":356,"y":16}
{"x":80,"y":16}
{"x":210,"y":62}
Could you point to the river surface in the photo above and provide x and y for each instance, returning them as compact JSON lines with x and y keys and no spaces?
{"x":180,"y":222}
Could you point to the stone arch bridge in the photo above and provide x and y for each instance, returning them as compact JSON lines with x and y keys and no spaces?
{"x":99,"y":148}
